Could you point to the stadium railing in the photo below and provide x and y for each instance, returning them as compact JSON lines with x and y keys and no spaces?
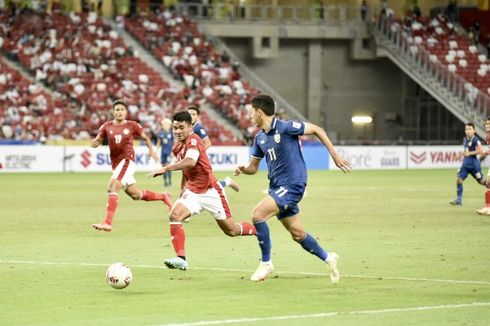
{"x":335,"y":14}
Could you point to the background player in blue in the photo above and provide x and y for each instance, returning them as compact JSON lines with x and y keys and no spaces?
{"x":201,"y":132}
{"x":278,"y":142}
{"x":166,"y":141}
{"x":471,"y":163}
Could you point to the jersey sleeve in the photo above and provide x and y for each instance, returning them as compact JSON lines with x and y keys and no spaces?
{"x":103,"y":131}
{"x":294,"y":128}
{"x":137,"y":130}
{"x":200,"y":131}
{"x":256,"y":150}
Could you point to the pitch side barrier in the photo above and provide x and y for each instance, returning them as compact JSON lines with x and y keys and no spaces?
{"x":40,"y":158}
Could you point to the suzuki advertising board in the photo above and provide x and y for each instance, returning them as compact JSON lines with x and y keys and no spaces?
{"x":87,"y":159}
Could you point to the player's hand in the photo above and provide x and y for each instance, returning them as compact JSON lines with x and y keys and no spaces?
{"x":154,"y":156}
{"x":238,"y":170}
{"x":94,"y":143}
{"x":156,"y":173}
{"x":341,"y":163}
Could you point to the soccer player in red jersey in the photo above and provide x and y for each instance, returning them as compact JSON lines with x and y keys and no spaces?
{"x":201,"y":132}
{"x":120,"y":134}
{"x":486,"y":210}
{"x":201,"y":190}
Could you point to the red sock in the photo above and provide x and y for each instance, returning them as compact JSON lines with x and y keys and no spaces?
{"x":178,"y":238}
{"x":111,"y":207}
{"x":487,"y":198}
{"x":247,"y":229}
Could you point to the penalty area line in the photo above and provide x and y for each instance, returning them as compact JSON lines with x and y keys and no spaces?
{"x":331,"y":314}
{"x":392,"y":278}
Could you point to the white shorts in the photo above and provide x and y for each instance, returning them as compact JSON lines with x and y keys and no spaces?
{"x":488,"y":173}
{"x":124,"y":172}
{"x":214,"y":201}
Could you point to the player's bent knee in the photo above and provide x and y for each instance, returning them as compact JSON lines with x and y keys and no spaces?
{"x":257,"y":216}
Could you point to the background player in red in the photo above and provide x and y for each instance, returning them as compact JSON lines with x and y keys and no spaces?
{"x":201,"y":190}
{"x":486,"y":210}
{"x":120,"y":134}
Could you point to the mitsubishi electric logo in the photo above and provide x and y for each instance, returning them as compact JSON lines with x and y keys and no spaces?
{"x":418,"y":159}
{"x":85,"y":158}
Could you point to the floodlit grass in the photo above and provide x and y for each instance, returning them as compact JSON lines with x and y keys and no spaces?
{"x":401,"y":245}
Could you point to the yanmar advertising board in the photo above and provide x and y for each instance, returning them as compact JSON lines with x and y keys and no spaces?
{"x":433,"y":157}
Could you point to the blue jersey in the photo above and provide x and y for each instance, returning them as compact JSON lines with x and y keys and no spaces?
{"x":470,"y":145}
{"x":167,"y":141}
{"x":282,"y":151}
{"x":199,"y":130}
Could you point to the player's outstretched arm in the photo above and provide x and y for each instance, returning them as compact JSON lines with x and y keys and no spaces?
{"x":151,"y":151}
{"x":312,"y":129}
{"x":207,"y":142}
{"x":252,"y":167}
{"x":186,"y":163}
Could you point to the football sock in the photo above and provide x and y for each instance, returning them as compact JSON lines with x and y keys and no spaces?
{"x":148,"y":195}
{"x":112,"y":201}
{"x":247,"y":228}
{"x":487,"y":198}
{"x":167,"y":176}
{"x":222,"y":183}
{"x":311,"y":245}
{"x":264,"y":237}
{"x":178,"y":238}
{"x":459,"y":191}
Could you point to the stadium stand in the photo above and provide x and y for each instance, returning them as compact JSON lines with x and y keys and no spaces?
{"x":88,"y":63}
{"x":444,"y":49}
{"x":176,"y":41}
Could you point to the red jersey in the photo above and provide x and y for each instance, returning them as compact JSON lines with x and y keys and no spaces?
{"x":488,"y":139}
{"x":121,"y":139}
{"x":199,"y":178}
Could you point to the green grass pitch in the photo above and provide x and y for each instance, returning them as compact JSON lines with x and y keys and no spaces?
{"x":407,"y":256}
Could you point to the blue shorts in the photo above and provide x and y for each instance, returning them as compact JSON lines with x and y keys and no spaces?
{"x":287,"y":199}
{"x":475,"y":172}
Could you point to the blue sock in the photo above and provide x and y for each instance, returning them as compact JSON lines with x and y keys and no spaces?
{"x":264,"y":237}
{"x":222,"y":183}
{"x":311,"y":245}
{"x":459,"y":191}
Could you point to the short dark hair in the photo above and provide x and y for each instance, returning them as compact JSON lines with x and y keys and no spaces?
{"x":119,"y":101}
{"x":195,"y":108}
{"x":470,"y":124}
{"x":264,"y":103}
{"x":182,"y":116}
{"x":488,"y":118}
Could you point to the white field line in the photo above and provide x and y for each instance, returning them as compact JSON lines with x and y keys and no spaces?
{"x":331,"y":314}
{"x":394,"y":278}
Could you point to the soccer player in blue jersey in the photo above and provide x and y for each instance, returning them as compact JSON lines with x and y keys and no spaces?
{"x":471,"y":163}
{"x":201,"y":132}
{"x":166,"y":141}
{"x":278,"y":142}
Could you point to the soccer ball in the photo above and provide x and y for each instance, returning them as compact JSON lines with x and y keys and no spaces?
{"x":118,"y":276}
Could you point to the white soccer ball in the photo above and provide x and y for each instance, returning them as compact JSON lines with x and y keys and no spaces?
{"x":118,"y":276}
